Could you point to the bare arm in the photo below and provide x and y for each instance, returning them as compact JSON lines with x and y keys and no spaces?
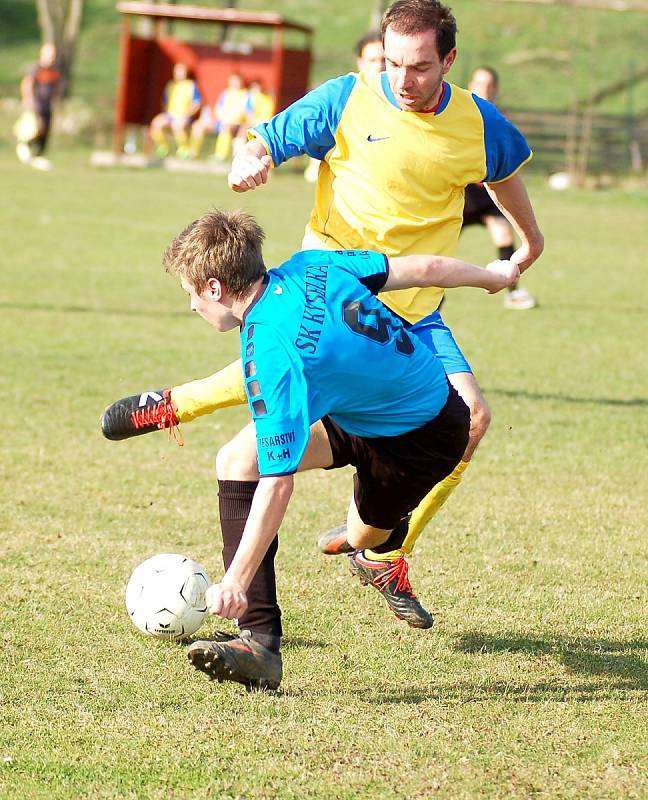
{"x":228,"y":599}
{"x":27,"y":92}
{"x":512,"y":199}
{"x":250,"y":167}
{"x":406,"y":272}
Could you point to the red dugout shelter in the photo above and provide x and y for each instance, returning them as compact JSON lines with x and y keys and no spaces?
{"x":147,"y":61}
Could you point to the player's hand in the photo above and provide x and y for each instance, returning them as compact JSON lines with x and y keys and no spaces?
{"x":248,"y":171}
{"x":504,"y":273}
{"x":226,"y":599}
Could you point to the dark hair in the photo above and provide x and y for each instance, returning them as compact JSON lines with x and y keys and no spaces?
{"x":368,"y":38}
{"x":225,"y":245}
{"x":417,"y":16}
{"x":492,"y":72}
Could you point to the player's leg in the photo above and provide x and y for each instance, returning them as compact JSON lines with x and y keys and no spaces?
{"x":254,"y":657}
{"x":156,"y":410}
{"x":159,"y":127}
{"x":223,"y":147}
{"x":180,"y":128}
{"x":394,"y":475}
{"x":198,"y":131}
{"x":436,"y":334}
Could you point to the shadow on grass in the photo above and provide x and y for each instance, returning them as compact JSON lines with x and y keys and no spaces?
{"x":562,"y":398}
{"x":621,"y":659}
{"x":618,"y":664}
{"x":113,"y":312}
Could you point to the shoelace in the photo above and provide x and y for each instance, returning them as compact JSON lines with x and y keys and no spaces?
{"x":162,"y":415}
{"x":399,"y":570}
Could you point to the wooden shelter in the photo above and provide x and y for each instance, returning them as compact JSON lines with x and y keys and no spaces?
{"x":147,"y":60}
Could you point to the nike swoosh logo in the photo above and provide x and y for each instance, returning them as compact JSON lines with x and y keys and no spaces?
{"x":371,"y":138}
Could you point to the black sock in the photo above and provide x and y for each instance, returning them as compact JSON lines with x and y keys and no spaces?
{"x":395,"y":539}
{"x":263,"y":615}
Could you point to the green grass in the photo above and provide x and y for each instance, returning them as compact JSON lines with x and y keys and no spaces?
{"x":533,"y":682}
{"x":546,"y":56}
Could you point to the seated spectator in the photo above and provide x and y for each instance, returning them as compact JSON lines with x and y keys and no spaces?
{"x":261,"y":105}
{"x":260,"y":108}
{"x":181,"y":102}
{"x":224,"y":119}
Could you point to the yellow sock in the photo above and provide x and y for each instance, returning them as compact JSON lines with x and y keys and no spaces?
{"x":423,"y":513}
{"x":220,"y":390}
{"x":159,"y":137}
{"x":223,"y":145}
{"x":392,"y":555}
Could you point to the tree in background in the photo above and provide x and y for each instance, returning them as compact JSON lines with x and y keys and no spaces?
{"x":60,"y":23}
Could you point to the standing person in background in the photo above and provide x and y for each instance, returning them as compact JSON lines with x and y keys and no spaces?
{"x":370,"y":57}
{"x":39,"y":90}
{"x":181,"y":102}
{"x":480,"y":208}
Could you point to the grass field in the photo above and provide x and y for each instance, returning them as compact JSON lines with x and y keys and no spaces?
{"x":533,"y":682}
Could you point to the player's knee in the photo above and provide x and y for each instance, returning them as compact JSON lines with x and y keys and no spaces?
{"x":228,"y":463}
{"x":234,"y":462}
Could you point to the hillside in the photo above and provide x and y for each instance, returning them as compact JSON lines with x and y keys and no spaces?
{"x":558,"y":53}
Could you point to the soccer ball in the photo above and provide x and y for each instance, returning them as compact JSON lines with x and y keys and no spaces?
{"x":165,"y":596}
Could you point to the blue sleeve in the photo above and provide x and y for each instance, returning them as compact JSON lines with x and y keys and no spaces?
{"x":308,"y":125}
{"x":506,"y":148}
{"x":369,"y":267}
{"x":277,"y":395}
{"x":196,"y":95}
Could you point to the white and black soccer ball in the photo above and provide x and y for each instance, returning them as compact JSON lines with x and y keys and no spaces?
{"x":165,"y":596}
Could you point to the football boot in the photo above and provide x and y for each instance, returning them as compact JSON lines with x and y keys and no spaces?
{"x":237,"y":658}
{"x":391,"y":580}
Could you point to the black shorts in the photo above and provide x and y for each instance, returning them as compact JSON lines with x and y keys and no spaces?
{"x":478,"y":204}
{"x":394,"y":473}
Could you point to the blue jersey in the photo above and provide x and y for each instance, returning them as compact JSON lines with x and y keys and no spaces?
{"x":318,"y":342}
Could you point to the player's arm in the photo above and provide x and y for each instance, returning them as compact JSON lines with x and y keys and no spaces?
{"x":307,"y":127}
{"x":507,"y":151}
{"x":27,"y":91}
{"x":228,"y":599}
{"x":406,"y":272}
{"x":512,"y":199}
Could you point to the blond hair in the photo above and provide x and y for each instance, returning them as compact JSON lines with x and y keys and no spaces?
{"x":225,"y":245}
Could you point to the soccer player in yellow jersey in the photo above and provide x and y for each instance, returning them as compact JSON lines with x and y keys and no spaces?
{"x":397,"y":151}
{"x":181,"y":102}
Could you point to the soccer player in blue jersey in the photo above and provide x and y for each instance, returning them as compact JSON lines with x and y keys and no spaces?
{"x":397,"y":151}
{"x":332,"y":377}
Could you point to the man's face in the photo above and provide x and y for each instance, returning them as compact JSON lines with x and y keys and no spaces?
{"x":414,"y":68}
{"x":372,"y":58}
{"x":210,"y":306}
{"x":180,"y":72}
{"x":483,"y":84}
{"x":47,"y":55}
